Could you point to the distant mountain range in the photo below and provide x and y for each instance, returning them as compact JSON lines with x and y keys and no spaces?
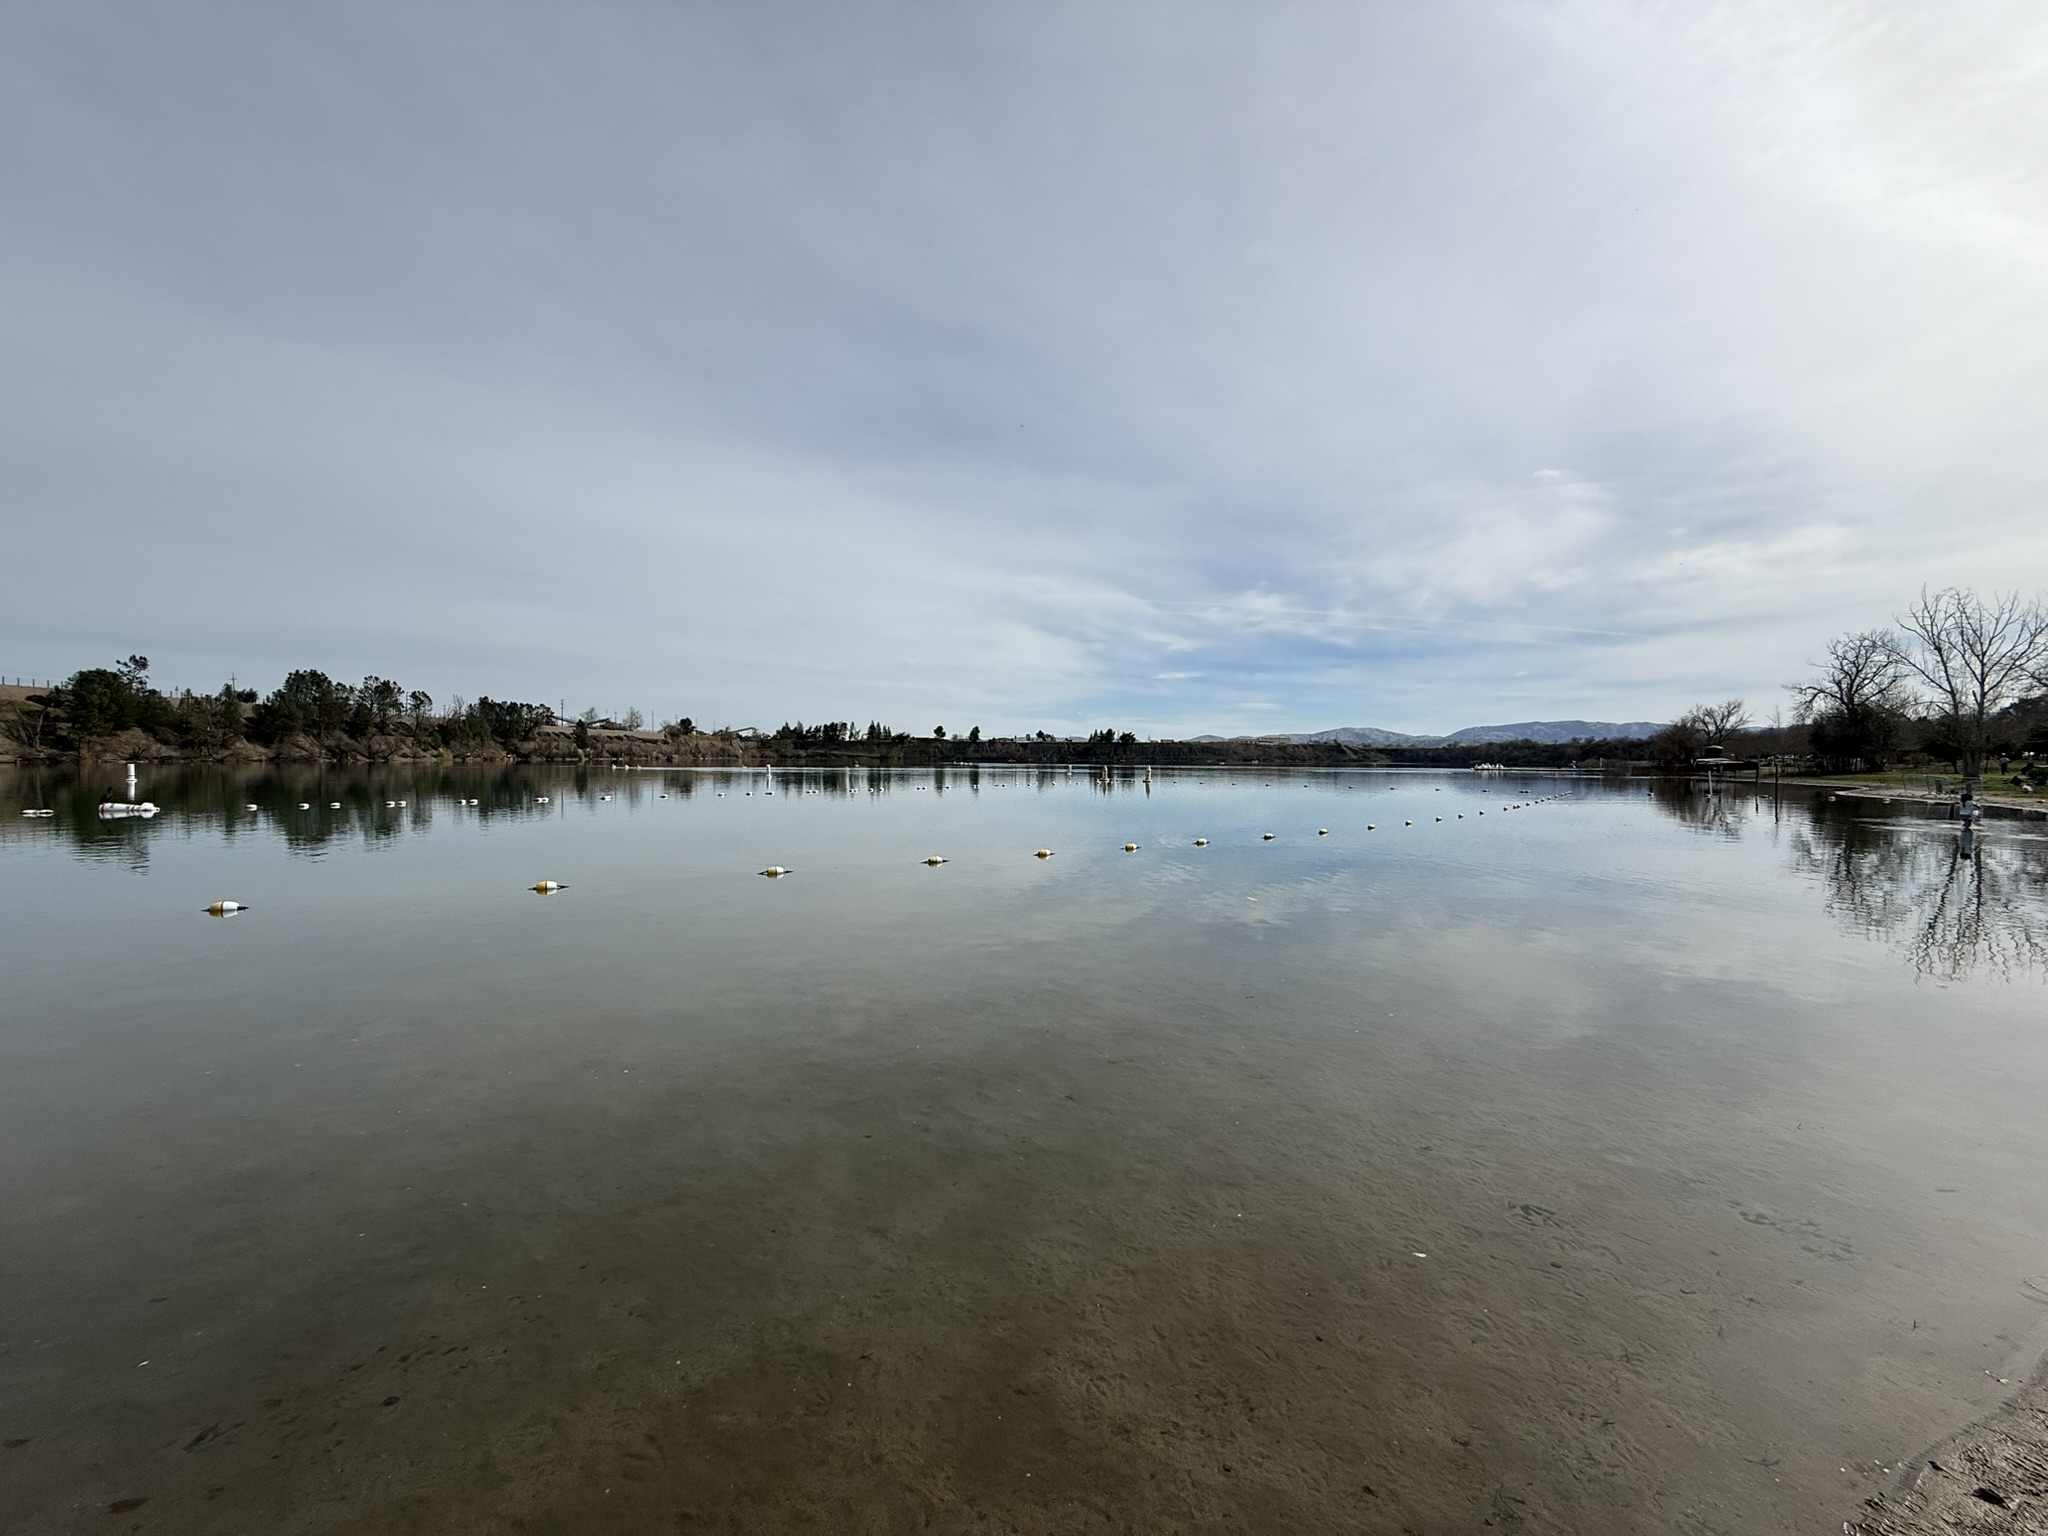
{"x":1478,"y":735}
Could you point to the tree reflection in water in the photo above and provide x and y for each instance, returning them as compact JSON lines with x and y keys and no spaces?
{"x":1956,"y":901}
{"x":1721,"y":809}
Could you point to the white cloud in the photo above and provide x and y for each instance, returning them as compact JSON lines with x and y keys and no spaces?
{"x":1041,"y":366}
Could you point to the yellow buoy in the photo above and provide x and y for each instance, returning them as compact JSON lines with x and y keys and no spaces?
{"x":1130,"y":847}
{"x":549,"y":887}
{"x":1043,"y":853}
{"x":774,"y":871}
{"x":225,"y":908}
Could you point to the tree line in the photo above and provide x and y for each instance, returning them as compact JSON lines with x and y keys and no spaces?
{"x":95,"y":703}
{"x":1958,"y":677}
{"x":1955,"y":678}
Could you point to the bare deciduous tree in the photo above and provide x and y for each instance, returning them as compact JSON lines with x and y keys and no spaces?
{"x":25,"y":720}
{"x":1857,"y":704}
{"x":1975,"y":656}
{"x":1862,"y":671}
{"x":1702,"y":726}
{"x":1717,"y":722}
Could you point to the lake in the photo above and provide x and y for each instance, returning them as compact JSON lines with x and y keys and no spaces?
{"x":1541,"y":1152}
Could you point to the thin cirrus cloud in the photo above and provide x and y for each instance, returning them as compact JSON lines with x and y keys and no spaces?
{"x":1179,"y":368}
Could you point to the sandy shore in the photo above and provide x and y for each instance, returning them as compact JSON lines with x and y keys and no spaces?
{"x":1990,"y":1478}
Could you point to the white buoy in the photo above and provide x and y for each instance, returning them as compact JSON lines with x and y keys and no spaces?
{"x":607,"y":797}
{"x":1407,"y":823}
{"x":935,"y":861}
{"x":389,"y":805}
{"x":1043,"y":853}
{"x":548,"y":887}
{"x":1370,"y":827}
{"x":1265,"y":837}
{"x":224,"y":908}
{"x":304,"y":806}
{"x":251,"y":807}
{"x":401,"y":805}
{"x":774,"y":871}
{"x":1322,"y":831}
{"x":1201,"y":842}
{"x":540,"y":799}
{"x":1439,"y":818}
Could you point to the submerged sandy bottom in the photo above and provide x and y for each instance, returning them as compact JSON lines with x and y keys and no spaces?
{"x":1165,"y":1273}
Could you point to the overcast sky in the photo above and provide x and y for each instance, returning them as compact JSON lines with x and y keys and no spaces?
{"x":1180,"y":367}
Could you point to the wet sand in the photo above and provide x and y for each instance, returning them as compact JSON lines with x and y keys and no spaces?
{"x":1151,"y":1280}
{"x":1992,"y":1479}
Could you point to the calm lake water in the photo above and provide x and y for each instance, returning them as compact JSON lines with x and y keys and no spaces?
{"x":1627,"y":1161}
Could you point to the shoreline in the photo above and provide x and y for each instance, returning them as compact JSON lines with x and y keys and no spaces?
{"x":1995,"y":802}
{"x":1944,"y":1488}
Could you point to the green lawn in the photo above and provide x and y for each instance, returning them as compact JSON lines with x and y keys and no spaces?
{"x":1916,"y":780}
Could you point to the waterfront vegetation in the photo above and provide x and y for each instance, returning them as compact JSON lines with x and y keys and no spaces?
{"x":1958,"y":683}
